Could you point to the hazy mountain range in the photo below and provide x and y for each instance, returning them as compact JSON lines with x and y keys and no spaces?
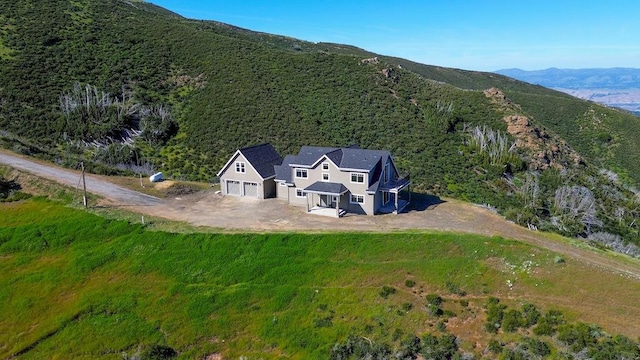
{"x":619,"y":87}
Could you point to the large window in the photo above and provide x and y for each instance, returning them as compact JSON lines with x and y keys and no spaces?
{"x":357,"y":199}
{"x":301,"y":173}
{"x":357,"y":178}
{"x":300,"y":193}
{"x":240,"y":168}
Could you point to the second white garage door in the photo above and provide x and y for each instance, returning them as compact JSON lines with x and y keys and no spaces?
{"x":250,"y":189}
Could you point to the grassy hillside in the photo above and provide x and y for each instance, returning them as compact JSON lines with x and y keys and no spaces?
{"x":127,"y":86}
{"x":74,"y":285}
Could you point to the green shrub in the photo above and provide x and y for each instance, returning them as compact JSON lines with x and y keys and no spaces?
{"x":158,"y":352}
{"x":434,"y":310}
{"x":494,"y":346}
{"x":434,"y":299}
{"x":455,"y":289}
{"x":406,"y":307}
{"x":387,"y":290}
{"x":434,"y":347}
{"x":536,"y":347}
{"x":530,"y":315}
{"x":511,"y":320}
{"x":544,"y":328}
{"x":495,"y":313}
{"x":323,"y":322}
{"x":409,"y":283}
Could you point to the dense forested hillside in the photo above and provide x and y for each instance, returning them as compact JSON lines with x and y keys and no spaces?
{"x":128,"y":86}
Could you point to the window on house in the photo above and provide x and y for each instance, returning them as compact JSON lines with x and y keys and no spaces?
{"x":325,"y":176}
{"x":357,"y":178}
{"x":301,"y":173}
{"x":240,"y":168}
{"x":357,"y":199}
{"x":300,"y":193}
{"x":325,"y":166}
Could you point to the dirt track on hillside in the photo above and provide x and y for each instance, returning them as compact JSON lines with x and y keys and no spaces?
{"x":237,"y":214}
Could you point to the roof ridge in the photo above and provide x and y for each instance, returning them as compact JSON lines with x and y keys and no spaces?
{"x":253,"y":146}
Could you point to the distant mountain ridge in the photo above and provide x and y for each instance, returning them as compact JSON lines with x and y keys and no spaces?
{"x":616,"y":87}
{"x":611,"y":78}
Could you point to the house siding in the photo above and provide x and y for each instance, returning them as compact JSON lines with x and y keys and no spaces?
{"x":282,"y":192}
{"x":293,"y":199}
{"x":336,"y":175}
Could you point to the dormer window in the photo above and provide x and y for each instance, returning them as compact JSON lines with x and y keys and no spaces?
{"x":240,"y":167}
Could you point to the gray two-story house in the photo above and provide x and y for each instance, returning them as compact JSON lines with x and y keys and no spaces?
{"x":336,"y":181}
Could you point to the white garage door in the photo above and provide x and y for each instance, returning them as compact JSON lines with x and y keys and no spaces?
{"x":233,"y":187}
{"x":250,"y":189}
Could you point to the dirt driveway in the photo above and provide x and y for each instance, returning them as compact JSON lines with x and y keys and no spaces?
{"x":242,"y":214}
{"x":229,"y":212}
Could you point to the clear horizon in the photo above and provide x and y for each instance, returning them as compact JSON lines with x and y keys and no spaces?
{"x":465,"y":34}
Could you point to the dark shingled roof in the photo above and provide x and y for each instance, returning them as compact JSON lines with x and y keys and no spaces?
{"x":346,"y":158}
{"x":263,"y":158}
{"x":283,"y":171}
{"x":361,"y":159}
{"x":351,"y":158}
{"x":323,"y":187}
{"x":310,"y":154}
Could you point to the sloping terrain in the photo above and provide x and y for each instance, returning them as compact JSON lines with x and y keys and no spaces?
{"x":234,"y":214}
{"x":128,"y":86}
{"x":75,"y":285}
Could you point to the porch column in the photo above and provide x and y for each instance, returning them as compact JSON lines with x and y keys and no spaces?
{"x":396,"y":197}
{"x":307,"y":197}
{"x":338,"y":206}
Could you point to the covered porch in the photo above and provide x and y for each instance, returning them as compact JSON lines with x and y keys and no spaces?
{"x":323,"y":198}
{"x":396,"y":195}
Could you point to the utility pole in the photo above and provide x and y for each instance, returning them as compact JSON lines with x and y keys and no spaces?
{"x":84,"y":187}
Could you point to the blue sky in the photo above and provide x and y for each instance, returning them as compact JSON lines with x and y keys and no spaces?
{"x":481,"y":35}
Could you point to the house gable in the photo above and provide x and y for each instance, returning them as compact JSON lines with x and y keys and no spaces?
{"x":230,"y":168}
{"x":261,"y":158}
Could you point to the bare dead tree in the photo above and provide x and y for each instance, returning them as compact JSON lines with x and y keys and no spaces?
{"x":530,"y":190}
{"x":615,"y":243}
{"x":494,"y":143}
{"x":577,"y":203}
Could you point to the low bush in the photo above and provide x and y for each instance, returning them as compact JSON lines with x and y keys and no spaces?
{"x":386,"y":291}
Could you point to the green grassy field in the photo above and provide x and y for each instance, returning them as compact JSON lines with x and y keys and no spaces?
{"x":75,"y":285}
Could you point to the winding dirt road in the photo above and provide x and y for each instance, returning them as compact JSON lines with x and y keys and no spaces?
{"x":238,"y":214}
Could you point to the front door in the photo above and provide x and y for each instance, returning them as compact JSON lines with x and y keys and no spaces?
{"x":385,"y":197}
{"x":327,"y":201}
